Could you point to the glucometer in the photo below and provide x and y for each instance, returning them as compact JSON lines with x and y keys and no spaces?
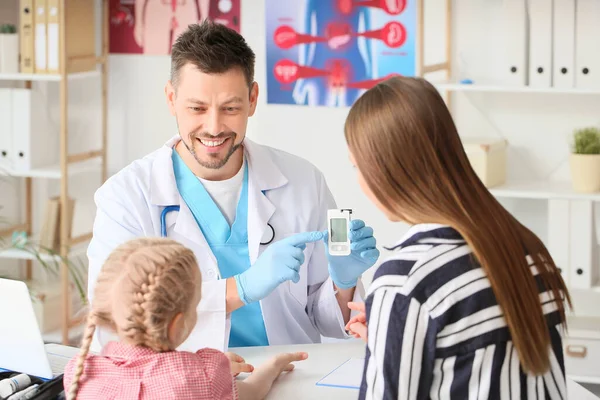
{"x":338,"y":224}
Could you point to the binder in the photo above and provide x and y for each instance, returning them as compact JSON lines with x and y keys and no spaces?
{"x":80,"y":30}
{"x":53,"y":35}
{"x":558,"y":235}
{"x":514,"y":62}
{"x":582,"y":274}
{"x":540,"y":43}
{"x":26,"y":36}
{"x":35,"y":144}
{"x":563,"y":52}
{"x":49,"y":232}
{"x":587,"y":47}
{"x":39,"y":22}
{"x":6,"y":145}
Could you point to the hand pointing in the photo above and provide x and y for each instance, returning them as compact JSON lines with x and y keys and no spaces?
{"x":280,"y":262}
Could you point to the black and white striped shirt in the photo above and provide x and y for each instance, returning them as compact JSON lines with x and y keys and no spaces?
{"x":435,"y":329}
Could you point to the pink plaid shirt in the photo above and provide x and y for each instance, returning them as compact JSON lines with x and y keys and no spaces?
{"x":127,"y":372}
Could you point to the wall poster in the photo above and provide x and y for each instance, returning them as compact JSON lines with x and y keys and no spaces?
{"x":328,"y":52}
{"x":151,"y":26}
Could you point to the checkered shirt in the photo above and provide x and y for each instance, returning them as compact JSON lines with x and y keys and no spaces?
{"x":126,"y":372}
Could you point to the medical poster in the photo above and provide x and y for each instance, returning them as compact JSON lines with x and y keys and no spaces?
{"x":152,"y":26}
{"x":328,"y":52}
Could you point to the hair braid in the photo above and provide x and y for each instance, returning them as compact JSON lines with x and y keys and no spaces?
{"x":85,"y":348}
{"x":158,"y":284}
{"x":138,"y":324}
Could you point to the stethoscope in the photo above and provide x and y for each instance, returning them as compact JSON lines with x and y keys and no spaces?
{"x":168,"y":209}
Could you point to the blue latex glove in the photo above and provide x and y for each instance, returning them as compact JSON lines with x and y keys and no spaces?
{"x":280,"y":262}
{"x":345,"y":270}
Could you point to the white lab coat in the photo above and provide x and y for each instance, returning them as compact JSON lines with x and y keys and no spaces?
{"x":284,"y":190}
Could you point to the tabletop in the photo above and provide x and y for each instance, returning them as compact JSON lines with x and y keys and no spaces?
{"x":301,"y":383}
{"x":324,"y":358}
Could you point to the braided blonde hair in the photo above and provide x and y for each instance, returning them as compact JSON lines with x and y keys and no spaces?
{"x":142,"y":286}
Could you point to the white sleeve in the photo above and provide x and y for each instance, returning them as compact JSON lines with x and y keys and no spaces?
{"x":212,"y":326}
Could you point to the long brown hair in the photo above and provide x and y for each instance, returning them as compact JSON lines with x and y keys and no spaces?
{"x":408,"y":150}
{"x":142,"y":286}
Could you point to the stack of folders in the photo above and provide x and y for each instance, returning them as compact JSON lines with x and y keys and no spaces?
{"x":551,"y":43}
{"x":28,"y":139}
{"x":41,"y":22}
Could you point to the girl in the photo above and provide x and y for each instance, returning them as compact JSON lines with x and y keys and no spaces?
{"x":148,"y":292}
{"x":470,"y":302}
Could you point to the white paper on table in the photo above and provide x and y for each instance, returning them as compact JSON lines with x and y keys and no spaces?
{"x":348,"y":375}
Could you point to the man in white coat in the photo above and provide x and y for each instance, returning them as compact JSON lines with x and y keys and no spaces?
{"x":255,"y":217}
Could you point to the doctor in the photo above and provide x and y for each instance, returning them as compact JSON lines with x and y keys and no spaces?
{"x":254,"y":216}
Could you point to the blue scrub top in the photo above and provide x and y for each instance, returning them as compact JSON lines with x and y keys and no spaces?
{"x":228,"y":244}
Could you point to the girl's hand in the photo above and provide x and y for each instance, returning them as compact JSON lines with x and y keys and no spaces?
{"x":238,"y":364}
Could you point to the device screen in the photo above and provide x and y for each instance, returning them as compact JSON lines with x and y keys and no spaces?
{"x":339,"y":230}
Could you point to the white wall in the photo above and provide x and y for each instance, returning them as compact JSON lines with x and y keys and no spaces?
{"x":537,"y":125}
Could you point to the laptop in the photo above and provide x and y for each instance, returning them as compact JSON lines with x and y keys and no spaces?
{"x":22,"y":347}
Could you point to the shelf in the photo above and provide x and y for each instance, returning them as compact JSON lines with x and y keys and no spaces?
{"x":54,"y":172}
{"x":460,"y":87}
{"x":47,"y":77}
{"x":541,"y":190}
{"x":17,"y":254}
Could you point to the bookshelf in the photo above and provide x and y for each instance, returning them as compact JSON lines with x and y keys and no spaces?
{"x":71,"y":66}
{"x":48,"y":77}
{"x":572,"y":237}
{"x":491,"y":87}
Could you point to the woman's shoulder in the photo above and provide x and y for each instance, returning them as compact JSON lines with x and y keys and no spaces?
{"x":428,"y":257}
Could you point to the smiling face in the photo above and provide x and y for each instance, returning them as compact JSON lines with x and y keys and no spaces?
{"x":211,"y":94}
{"x":212,"y":112}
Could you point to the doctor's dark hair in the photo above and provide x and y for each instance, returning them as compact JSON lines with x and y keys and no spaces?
{"x":408,"y":151}
{"x":142,"y":286}
{"x":214,"y":49}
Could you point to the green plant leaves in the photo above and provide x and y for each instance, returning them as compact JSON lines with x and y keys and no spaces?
{"x":8,"y":28}
{"x":587,"y":141}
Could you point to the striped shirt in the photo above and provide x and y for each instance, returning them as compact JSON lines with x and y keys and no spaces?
{"x":436,"y":331}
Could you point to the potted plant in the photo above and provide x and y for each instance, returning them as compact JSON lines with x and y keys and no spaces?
{"x":585,"y":160}
{"x":9,"y":49}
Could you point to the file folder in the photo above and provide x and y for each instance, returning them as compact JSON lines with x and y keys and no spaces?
{"x":39,"y":22}
{"x":563,"y":60}
{"x":53,"y":35}
{"x":35,"y":144}
{"x":6,"y":145}
{"x":81,"y":31}
{"x":514,"y":62}
{"x":587,"y":44}
{"x":26,"y":36}
{"x":558,"y":235}
{"x":540,"y":43}
{"x":582,"y":273}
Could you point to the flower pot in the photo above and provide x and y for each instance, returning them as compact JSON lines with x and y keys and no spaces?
{"x":585,"y":172}
{"x":9,"y":53}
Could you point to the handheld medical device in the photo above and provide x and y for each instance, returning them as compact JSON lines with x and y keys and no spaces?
{"x":338,"y":224}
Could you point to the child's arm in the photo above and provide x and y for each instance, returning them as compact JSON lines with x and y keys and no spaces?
{"x":257,"y":385}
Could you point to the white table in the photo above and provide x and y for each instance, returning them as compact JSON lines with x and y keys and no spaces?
{"x":324,"y":358}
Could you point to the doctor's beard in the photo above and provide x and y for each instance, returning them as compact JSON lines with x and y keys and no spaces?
{"x":214,"y":160}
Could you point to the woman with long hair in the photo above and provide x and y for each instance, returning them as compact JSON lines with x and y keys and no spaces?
{"x":470,"y":303}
